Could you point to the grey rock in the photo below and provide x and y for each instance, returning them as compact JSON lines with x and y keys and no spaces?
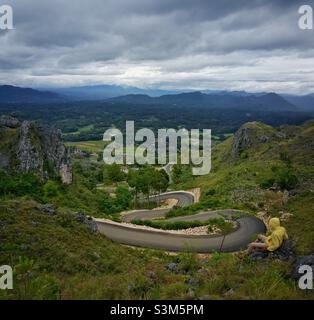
{"x":173,"y":267}
{"x":258,"y":255}
{"x":249,"y":135}
{"x":9,"y":122}
{"x":48,"y":209}
{"x":281,"y":135}
{"x":285,"y":253}
{"x":80,"y":217}
{"x":88,"y":221}
{"x":36,"y":149}
{"x":193,"y":282}
{"x":92,"y":225}
{"x":293,"y":193}
{"x":241,"y":141}
{"x":264,"y":139}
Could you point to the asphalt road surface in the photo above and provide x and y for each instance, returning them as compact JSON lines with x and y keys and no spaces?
{"x":247,"y":228}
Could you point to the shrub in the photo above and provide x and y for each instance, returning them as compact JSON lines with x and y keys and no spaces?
{"x":51,"y":190}
{"x":284,"y":178}
{"x":20,"y":185}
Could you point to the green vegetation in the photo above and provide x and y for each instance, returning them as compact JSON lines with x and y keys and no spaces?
{"x":113,"y":173}
{"x":12,"y":185}
{"x":179,"y":225}
{"x":284,"y":178}
{"x":79,"y":117}
{"x":91,"y":146}
{"x":57,"y":257}
{"x":57,"y":260}
{"x":301,"y":225}
{"x":260,"y":180}
{"x":147,"y":180}
{"x":192,"y":209}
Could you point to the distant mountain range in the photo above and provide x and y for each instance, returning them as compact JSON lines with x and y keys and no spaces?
{"x":101,"y":92}
{"x":117,"y":94}
{"x":264,"y":102}
{"x":306,"y":102}
{"x":12,"y":94}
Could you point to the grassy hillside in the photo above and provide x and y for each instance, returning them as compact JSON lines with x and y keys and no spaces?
{"x":264,"y":169}
{"x":56,"y":257}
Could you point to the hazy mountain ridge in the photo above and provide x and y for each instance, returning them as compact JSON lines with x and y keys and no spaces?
{"x":117,"y":94}
{"x":265,"y":102}
{"x":305,"y":102}
{"x":13,"y":94}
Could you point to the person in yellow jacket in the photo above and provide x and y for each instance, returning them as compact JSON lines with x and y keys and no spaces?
{"x":272,"y":242}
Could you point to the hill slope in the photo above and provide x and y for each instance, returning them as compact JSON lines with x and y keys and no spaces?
{"x":263,"y":169}
{"x":57,"y":255}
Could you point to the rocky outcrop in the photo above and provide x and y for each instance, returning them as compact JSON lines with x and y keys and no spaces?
{"x":29,"y":147}
{"x":9,"y":122}
{"x":250,"y":135}
{"x":241,"y":141}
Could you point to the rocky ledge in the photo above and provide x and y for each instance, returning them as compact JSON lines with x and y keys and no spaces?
{"x":27,"y":147}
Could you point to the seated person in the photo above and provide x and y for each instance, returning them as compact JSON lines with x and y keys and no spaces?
{"x":272,"y":242}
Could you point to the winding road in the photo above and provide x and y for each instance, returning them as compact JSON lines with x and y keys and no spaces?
{"x":247,"y":227}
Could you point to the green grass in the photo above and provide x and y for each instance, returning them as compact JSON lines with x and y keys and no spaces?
{"x":55,"y":257}
{"x":92,"y":146}
{"x":82,"y":130}
{"x":301,"y":225}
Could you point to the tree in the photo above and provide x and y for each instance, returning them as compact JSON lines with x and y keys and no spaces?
{"x":160,"y":181}
{"x":176,"y":172}
{"x":123,"y":197}
{"x":133,"y":182}
{"x":105,"y":203}
{"x":147,"y":179}
{"x":113,"y":173}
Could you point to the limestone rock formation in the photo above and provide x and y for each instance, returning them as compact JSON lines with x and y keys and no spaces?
{"x":28,"y":147}
{"x":250,"y":135}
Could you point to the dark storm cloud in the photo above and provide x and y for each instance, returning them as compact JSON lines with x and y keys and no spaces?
{"x":149,"y":42}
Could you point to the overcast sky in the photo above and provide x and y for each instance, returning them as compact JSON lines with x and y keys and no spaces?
{"x":253,"y":45}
